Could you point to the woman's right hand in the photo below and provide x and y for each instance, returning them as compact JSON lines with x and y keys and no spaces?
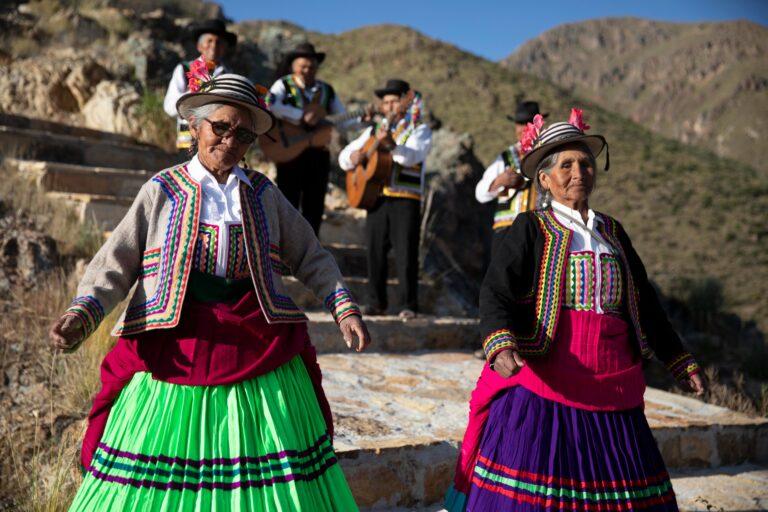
{"x":66,"y":333}
{"x":507,"y":363}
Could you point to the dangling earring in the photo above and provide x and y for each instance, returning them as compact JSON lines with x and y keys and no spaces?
{"x":244,"y":164}
{"x":546,"y":200}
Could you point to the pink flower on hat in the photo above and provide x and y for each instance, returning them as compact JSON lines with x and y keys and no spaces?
{"x":577,"y":119}
{"x":531,"y":133}
{"x":199,"y":73}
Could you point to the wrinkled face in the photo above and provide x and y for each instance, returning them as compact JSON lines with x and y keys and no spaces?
{"x":212,"y":47}
{"x":221,"y":152}
{"x":304,"y":68}
{"x":572,"y":179}
{"x":390,"y":103}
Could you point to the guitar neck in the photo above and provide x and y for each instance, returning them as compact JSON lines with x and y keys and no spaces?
{"x":340,"y":118}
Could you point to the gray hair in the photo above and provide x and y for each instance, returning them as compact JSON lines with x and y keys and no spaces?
{"x":195,"y":116}
{"x":545,"y":166}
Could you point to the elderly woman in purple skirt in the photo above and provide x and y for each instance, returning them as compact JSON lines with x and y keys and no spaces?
{"x":556,"y":420}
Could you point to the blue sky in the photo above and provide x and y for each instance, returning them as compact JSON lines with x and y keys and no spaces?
{"x":490,"y":28}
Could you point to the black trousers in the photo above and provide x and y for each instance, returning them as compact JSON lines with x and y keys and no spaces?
{"x":304,"y":181}
{"x":393,"y":223}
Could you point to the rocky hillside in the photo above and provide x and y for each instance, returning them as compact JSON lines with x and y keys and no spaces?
{"x":703,"y":83}
{"x":697,"y":219}
{"x":670,"y":196}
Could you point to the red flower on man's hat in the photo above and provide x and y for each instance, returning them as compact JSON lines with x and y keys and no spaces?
{"x":199,"y":73}
{"x":531,"y":133}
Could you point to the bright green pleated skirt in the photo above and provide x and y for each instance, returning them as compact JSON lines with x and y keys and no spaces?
{"x":256,"y":445}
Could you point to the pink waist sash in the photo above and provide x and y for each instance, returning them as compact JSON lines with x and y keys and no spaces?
{"x":591,"y":366}
{"x":215,"y":343}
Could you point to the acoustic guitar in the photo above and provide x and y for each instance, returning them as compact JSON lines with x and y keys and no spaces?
{"x":286,"y":141}
{"x":367,"y":180}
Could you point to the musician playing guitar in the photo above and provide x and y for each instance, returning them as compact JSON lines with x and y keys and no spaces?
{"x":300,"y":98}
{"x":394,"y":218}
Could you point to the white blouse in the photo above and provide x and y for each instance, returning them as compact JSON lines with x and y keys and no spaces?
{"x":594,"y":271}
{"x":220,"y":247}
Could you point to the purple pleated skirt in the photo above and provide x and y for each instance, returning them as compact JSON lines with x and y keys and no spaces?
{"x":537,"y":455}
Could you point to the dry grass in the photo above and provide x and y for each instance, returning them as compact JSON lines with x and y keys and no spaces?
{"x":22,"y":197}
{"x":47,"y":395}
{"x":40,"y":448}
{"x":156,"y":127}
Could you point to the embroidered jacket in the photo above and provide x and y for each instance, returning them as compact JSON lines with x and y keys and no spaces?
{"x":153,"y":247}
{"x":524,"y":290}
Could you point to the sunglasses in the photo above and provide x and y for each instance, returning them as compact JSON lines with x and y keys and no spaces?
{"x":241,"y":135}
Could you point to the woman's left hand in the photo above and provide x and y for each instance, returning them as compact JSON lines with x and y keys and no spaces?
{"x":696,"y":383}
{"x":354,"y":326}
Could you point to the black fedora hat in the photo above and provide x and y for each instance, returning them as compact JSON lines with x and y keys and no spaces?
{"x":393,"y":86}
{"x":305,"y":50}
{"x":525,"y":112}
{"x":217,"y":27}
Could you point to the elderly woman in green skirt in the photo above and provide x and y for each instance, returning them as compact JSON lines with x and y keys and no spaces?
{"x":211,"y":398}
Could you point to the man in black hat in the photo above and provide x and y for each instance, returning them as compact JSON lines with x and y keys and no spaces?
{"x":300,"y":98}
{"x":213,"y":41}
{"x":395,"y":219}
{"x":503,"y":180}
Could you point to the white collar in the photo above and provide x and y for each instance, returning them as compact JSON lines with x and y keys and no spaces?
{"x":199,"y":173}
{"x":574,"y":215}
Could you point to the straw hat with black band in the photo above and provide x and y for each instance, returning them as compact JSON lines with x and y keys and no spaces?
{"x":557,"y":135}
{"x":231,"y":89}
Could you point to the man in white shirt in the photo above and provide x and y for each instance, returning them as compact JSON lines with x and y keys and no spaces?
{"x":503,"y":180}
{"x":213,"y":41}
{"x":395,"y":218}
{"x":301,"y":99}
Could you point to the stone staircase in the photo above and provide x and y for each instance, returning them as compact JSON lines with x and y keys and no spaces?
{"x":98,"y":173}
{"x":400,"y":409}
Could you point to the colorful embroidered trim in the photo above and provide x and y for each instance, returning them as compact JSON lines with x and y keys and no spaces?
{"x":683,"y":366}
{"x":237,"y":262}
{"x":609,"y":229}
{"x":498,"y":341}
{"x":206,"y":248}
{"x":296,"y":97}
{"x":611,"y":283}
{"x":150,"y":263}
{"x":275,"y":306}
{"x":580,"y":281}
{"x":88,"y":310}
{"x":551,"y":492}
{"x":550,"y":288}
{"x":341,"y":304}
{"x":277,"y":263}
{"x":406,"y":182}
{"x":163,"y":309}
{"x":166,"y":473}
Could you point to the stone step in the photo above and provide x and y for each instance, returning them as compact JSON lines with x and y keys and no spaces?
{"x":430,"y":297}
{"x":105,"y":211}
{"x":733,"y":488}
{"x":31,"y":144}
{"x":15,"y":121}
{"x":399,"y":419}
{"x":393,"y":335}
{"x":80,"y":179}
